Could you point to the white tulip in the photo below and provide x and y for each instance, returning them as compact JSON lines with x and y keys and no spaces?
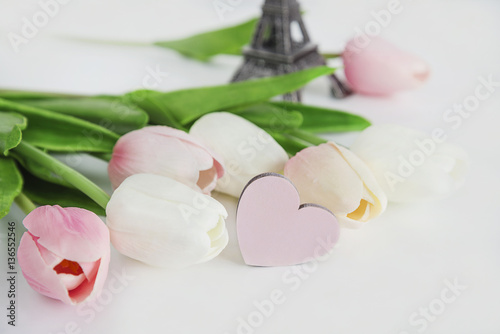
{"x":334,"y":177}
{"x":411,"y":165}
{"x":164,"y":223}
{"x":246,"y":149}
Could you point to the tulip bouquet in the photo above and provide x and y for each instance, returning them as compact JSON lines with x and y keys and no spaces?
{"x":161,"y":211}
{"x":168,"y":152}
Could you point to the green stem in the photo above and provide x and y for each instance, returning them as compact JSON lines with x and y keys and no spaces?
{"x":331,"y":55}
{"x":107,"y":42}
{"x":171,"y":118}
{"x":67,"y":173}
{"x":290,"y":144}
{"x":24,"y":203}
{"x":10,"y":94}
{"x":307,"y":136}
{"x":103,"y":156}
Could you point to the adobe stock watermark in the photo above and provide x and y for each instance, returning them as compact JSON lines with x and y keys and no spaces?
{"x":153,"y":78}
{"x":381,"y":19}
{"x":31,"y":26}
{"x":248,"y":149}
{"x":11,"y":274}
{"x":115,"y":284}
{"x":198,"y":204}
{"x":222,"y":7}
{"x":421,"y":319}
{"x":292,"y":279}
{"x":454,"y":118}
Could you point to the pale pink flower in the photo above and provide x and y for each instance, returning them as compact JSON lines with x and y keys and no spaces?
{"x":65,"y":253}
{"x":380,"y":68}
{"x":165,"y":151}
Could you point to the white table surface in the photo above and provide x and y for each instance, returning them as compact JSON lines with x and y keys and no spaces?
{"x":378,"y":276}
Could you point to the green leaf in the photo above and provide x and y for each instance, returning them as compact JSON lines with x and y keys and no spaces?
{"x":58,"y":132}
{"x":148,"y":100}
{"x":289,"y":143}
{"x":318,"y":120}
{"x":331,"y":55}
{"x":40,"y":171}
{"x":229,"y":40}
{"x":11,"y":126}
{"x":185,"y":106}
{"x":110,"y":113}
{"x":46,"y":193}
{"x":307,"y":137}
{"x":11,"y":184}
{"x":269,"y":117}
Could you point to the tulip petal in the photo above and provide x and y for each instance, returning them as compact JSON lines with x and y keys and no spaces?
{"x":207,"y":180}
{"x":164,"y":249}
{"x":217,"y":247}
{"x":162,"y":222}
{"x":410,"y":165}
{"x":217,"y":161}
{"x":322,"y":176}
{"x":151,"y":193}
{"x":96,"y":273}
{"x":71,"y":233}
{"x":39,"y":276}
{"x":50,"y":253}
{"x":346,"y":222}
{"x":218,"y":230}
{"x":332,"y":176}
{"x":164,"y":151}
{"x":246,"y":149}
{"x":71,"y":282}
{"x":380,"y":68}
{"x":48,"y":257}
{"x":373,"y":192}
{"x":92,"y":286}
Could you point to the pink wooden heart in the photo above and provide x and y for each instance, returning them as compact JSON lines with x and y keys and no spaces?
{"x":274,"y":229}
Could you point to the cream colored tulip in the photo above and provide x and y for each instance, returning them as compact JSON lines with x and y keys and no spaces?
{"x":334,"y":177}
{"x":164,"y":223}
{"x":246,"y":149}
{"x":411,"y":165}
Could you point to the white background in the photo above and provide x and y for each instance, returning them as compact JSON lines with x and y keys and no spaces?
{"x":378,"y":276}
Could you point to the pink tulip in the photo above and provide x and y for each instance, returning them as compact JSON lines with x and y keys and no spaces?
{"x":380,"y":68}
{"x":168,"y":152}
{"x":65,"y":253}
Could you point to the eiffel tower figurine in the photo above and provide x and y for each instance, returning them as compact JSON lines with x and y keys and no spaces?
{"x":276,"y":50}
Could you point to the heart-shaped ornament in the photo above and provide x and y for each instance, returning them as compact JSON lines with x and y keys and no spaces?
{"x":274,"y":229}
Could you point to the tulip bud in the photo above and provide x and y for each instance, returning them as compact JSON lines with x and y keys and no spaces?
{"x":247,"y":150}
{"x":410,"y":165}
{"x":65,"y":253}
{"x":164,"y":223}
{"x":165,"y":151}
{"x":382,"y":69}
{"x":332,"y":176}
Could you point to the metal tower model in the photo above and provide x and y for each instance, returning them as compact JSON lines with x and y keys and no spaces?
{"x":282,"y":45}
